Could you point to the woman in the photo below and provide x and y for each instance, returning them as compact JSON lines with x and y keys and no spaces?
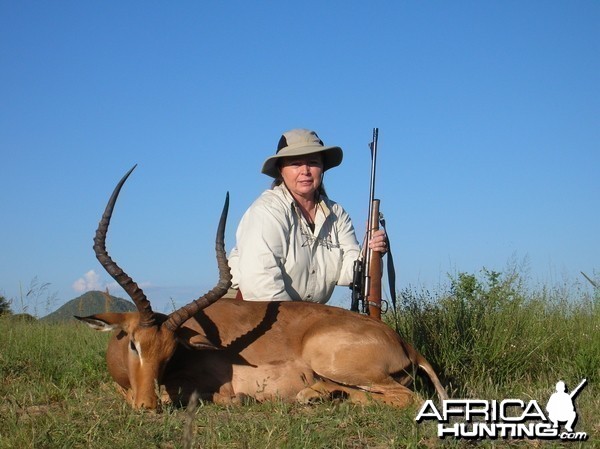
{"x":294,"y":243}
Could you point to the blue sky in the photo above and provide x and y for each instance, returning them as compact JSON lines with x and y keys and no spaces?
{"x":489,"y":118}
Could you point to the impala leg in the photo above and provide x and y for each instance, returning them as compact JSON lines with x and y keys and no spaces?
{"x":227,"y":399}
{"x":125,"y":392}
{"x":164,"y":396}
{"x":391,"y":393}
{"x":316,"y":392}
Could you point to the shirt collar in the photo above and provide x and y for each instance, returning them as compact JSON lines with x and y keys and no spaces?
{"x":323,"y":209}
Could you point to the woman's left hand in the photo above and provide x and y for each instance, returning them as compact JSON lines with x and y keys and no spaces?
{"x":378,"y":241}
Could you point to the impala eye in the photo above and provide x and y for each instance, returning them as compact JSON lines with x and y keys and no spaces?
{"x":132,"y":346}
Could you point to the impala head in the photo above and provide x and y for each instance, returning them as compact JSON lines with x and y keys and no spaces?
{"x":151,"y":336}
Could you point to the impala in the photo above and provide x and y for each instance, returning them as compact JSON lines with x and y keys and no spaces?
{"x":228,"y":349}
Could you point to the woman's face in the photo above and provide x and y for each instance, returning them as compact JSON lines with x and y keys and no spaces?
{"x":302,"y":174}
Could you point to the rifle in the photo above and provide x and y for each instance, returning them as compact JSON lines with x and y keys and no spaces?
{"x":578,"y":388}
{"x":366,"y":283}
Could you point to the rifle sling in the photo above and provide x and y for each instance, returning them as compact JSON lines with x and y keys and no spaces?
{"x":391,"y":270}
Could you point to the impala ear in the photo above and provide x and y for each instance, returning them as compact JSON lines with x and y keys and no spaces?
{"x":105,"y":322}
{"x":96,"y":323}
{"x":193,"y":340}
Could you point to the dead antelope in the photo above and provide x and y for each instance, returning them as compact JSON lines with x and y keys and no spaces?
{"x":227,"y":349}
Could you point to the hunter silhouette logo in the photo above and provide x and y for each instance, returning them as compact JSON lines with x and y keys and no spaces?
{"x":561,"y":407}
{"x":507,"y":419}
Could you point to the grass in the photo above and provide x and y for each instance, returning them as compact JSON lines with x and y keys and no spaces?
{"x":488,"y":337}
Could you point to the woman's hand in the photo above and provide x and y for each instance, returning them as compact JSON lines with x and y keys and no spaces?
{"x":378,"y":241}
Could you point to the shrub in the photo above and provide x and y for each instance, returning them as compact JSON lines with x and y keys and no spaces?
{"x":4,"y":305}
{"x":487,"y":331}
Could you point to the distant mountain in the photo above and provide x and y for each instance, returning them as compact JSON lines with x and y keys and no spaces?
{"x":88,"y":304}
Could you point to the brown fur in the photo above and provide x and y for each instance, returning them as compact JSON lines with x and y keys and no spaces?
{"x":263,"y":350}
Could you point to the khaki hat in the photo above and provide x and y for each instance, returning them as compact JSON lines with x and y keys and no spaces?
{"x":299,"y":142}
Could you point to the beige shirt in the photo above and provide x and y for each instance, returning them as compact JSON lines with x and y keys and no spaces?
{"x":278,"y":258}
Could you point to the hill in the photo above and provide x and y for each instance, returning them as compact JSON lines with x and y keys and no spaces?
{"x":88,"y":304}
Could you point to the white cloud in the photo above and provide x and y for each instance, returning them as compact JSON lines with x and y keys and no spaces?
{"x":89,"y":281}
{"x":92,"y":281}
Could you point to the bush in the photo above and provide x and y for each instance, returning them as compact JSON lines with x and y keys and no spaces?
{"x":4,"y":305}
{"x":489,"y":332}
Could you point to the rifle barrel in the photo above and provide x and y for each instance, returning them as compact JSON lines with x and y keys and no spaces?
{"x":577,"y":388}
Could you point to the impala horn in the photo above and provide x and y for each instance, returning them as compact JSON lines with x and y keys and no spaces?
{"x":132,"y":289}
{"x":178,"y":317}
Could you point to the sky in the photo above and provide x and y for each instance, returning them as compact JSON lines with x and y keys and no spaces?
{"x":488,"y":117}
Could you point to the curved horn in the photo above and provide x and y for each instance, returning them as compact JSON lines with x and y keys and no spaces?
{"x":132,"y":289}
{"x":178,"y":317}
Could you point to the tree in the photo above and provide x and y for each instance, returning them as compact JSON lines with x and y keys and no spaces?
{"x":4,"y":306}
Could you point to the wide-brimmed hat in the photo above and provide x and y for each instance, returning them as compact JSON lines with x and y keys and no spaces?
{"x":299,"y":142}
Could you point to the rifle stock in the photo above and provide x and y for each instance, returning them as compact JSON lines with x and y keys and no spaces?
{"x":373,"y":295}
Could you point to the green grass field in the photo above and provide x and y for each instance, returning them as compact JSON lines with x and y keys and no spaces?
{"x":488,"y":337}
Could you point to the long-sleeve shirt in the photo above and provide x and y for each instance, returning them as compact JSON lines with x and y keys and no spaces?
{"x":279,"y":258}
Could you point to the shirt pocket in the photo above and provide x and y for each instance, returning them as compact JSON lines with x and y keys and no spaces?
{"x":332,"y":265}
